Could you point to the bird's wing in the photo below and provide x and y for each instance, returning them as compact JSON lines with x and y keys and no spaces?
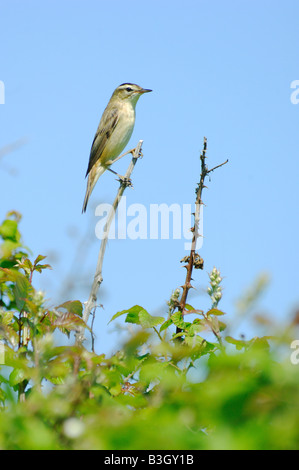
{"x":105,"y":129}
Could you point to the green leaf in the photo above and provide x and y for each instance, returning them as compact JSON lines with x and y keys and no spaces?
{"x":7,"y":247}
{"x":177,"y":335}
{"x":194,"y":341}
{"x":38,"y":259}
{"x":149,"y":321}
{"x":21,"y":289}
{"x":133,"y":317}
{"x":132,"y":314}
{"x":6,"y":318}
{"x":215,"y":311}
{"x":178,"y":320}
{"x":255,"y":342}
{"x":72,"y":306}
{"x":189,"y":307}
{"x":222,"y":325}
{"x":9,"y":229}
{"x":166,"y":324}
{"x":139,"y":316}
{"x":239,"y":343}
{"x":16,"y":376}
{"x":40,"y":267}
{"x":199,"y":346}
{"x":196,"y":327}
{"x":21,"y":285}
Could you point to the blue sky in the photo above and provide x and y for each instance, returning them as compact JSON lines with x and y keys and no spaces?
{"x":217,"y":69}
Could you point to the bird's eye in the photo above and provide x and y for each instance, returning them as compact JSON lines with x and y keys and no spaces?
{"x":129,"y":89}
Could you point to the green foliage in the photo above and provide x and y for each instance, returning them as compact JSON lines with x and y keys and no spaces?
{"x":207,"y":391}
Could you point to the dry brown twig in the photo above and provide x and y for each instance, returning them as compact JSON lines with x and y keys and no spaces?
{"x":194,"y":260}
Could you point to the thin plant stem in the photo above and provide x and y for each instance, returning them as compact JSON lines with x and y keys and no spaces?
{"x":91,"y":303}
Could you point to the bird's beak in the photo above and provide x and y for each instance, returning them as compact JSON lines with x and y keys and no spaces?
{"x":144,"y":90}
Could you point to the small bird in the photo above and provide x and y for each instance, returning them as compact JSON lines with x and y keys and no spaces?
{"x":113,"y":134}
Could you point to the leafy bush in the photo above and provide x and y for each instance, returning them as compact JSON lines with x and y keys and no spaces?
{"x":193,"y":389}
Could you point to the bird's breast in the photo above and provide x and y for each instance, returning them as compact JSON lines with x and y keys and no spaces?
{"x":120,"y":136}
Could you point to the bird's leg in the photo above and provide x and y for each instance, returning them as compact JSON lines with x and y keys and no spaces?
{"x":112,"y":171}
{"x":122,"y":179}
{"x":132,"y":151}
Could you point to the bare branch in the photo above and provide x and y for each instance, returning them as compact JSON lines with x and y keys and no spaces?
{"x":98,"y":279}
{"x":218,"y":166}
{"x":194,"y":260}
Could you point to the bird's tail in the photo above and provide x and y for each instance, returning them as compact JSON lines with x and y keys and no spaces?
{"x":93,"y":177}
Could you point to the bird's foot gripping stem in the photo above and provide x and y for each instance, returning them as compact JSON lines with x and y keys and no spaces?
{"x":133,"y":152}
{"x":127,"y":182}
{"x":122,"y":179}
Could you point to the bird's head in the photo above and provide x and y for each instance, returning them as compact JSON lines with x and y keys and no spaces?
{"x":129,"y":92}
